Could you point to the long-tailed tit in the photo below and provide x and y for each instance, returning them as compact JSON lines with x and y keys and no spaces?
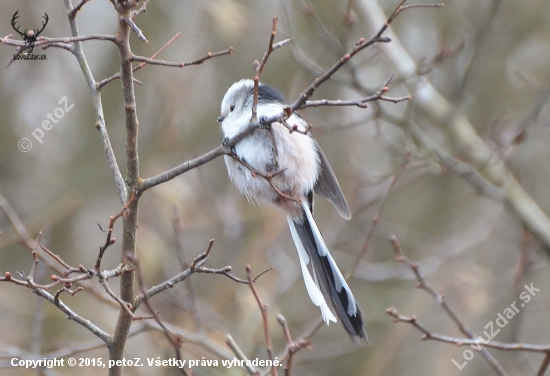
{"x":297,"y":167}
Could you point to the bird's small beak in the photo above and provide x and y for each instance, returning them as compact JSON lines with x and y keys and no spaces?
{"x":220,"y":119}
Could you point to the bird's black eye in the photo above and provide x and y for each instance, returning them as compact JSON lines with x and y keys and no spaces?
{"x":231,"y":108}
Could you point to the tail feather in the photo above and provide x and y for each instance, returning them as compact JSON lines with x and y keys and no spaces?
{"x":327,"y":282}
{"x":315,"y":294}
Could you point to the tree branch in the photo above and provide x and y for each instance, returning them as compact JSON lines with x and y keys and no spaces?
{"x":98,"y":106}
{"x":210,"y":55}
{"x":263,"y":309}
{"x":424,"y":285}
{"x":71,"y":315}
{"x":439,"y":110}
{"x":140,"y":65}
{"x":76,"y":9}
{"x":362,"y":103}
{"x":44,"y":42}
{"x":241,"y":356}
{"x":259,"y":67}
{"x":195,"y":267}
{"x":130,"y":220}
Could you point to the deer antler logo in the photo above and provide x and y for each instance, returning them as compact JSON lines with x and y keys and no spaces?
{"x":30,"y":36}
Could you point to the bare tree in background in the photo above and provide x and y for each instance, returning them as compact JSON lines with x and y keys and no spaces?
{"x":428,"y":118}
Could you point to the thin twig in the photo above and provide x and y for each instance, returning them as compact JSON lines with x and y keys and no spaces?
{"x":327,"y":38}
{"x":44,"y":41}
{"x":71,"y":315}
{"x":440,"y":299}
{"x":259,"y":67}
{"x":104,"y":82}
{"x":359,"y":46}
{"x":174,"y":340}
{"x":163,"y":286}
{"x":142,"y":9}
{"x":475,"y":343}
{"x":376,"y":220}
{"x":240,"y":355}
{"x":268,"y":177}
{"x":544,"y":365}
{"x":362,"y":103}
{"x":98,"y":106}
{"x":270,"y":47}
{"x":282,"y":43}
{"x":261,"y":274}
{"x":125,"y":305}
{"x":68,"y":291}
{"x":135,"y":28}
{"x":223,"y":271}
{"x":294,"y":128}
{"x":429,"y":335}
{"x":181,"y":169}
{"x":208,"y":56}
{"x":400,"y":8}
{"x":110,"y":241}
{"x":54,"y":299}
{"x":195,"y":267}
{"x":180,"y":252}
{"x":69,"y":268}
{"x":65,"y":46}
{"x":198,"y":340}
{"x":263,"y":309}
{"x":35,"y":257}
{"x":76,"y":9}
{"x":292,"y":348}
{"x":17,"y":224}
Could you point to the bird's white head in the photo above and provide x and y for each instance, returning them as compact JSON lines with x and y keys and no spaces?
{"x":236,"y":108}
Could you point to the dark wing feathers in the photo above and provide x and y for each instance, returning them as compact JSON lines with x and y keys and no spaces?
{"x":327,"y":186}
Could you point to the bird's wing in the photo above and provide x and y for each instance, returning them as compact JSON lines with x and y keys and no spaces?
{"x":327,"y":186}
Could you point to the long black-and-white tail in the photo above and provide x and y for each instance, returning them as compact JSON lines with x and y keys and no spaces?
{"x":323,"y":279}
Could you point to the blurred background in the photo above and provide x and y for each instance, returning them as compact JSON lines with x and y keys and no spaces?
{"x":488,"y":58}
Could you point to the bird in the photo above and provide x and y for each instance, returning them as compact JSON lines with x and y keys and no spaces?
{"x":283,"y":167}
